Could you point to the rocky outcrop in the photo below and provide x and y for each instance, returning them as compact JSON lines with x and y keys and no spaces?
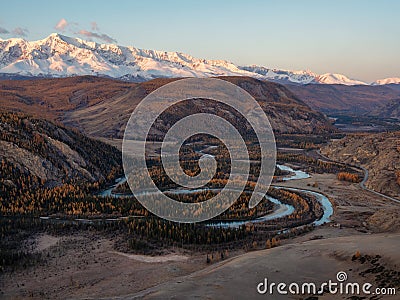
{"x":53,"y":153}
{"x":378,"y":153}
{"x":29,"y":161}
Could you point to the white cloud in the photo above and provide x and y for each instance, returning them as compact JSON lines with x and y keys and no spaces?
{"x":20,"y":31}
{"x":73,"y":27}
{"x":61,"y":25}
{"x":94,"y":26}
{"x":101,"y":36}
{"x":3,"y":31}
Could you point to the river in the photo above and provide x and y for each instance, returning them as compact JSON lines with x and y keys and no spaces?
{"x":282,"y":208}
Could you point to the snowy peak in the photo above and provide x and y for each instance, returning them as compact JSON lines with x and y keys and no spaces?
{"x":62,"y":56}
{"x":300,"y":77}
{"x":391,"y":80}
{"x":330,"y":78}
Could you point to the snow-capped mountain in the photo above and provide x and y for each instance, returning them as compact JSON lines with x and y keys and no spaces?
{"x":330,"y":78}
{"x":302,"y":77}
{"x":62,"y":56}
{"x":59,"y":56}
{"x":392,"y":80}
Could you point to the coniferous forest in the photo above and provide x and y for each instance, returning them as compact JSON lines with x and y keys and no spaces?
{"x":63,"y":196}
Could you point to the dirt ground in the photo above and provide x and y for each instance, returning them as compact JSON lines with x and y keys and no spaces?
{"x":358,"y":222}
{"x":314,"y":261}
{"x":84,"y":266}
{"x":355,"y":208}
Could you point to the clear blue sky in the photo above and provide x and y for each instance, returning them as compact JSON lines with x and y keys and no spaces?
{"x":360,"y":39}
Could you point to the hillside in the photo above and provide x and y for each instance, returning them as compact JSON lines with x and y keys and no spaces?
{"x":378,"y":153}
{"x":101,"y":107}
{"x":50,"y":98}
{"x":51,"y":154}
{"x":286,"y":113}
{"x":389,"y":110}
{"x":358,"y":99}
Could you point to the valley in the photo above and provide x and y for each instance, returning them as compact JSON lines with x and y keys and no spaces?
{"x":200,"y":150}
{"x":82,"y":256}
{"x":67,"y":216}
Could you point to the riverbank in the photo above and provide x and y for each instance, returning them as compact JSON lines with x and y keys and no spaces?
{"x":282,"y":210}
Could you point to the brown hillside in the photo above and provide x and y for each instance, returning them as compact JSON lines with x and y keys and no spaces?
{"x":378,"y":153}
{"x":50,"y":98}
{"x":356,"y":99}
{"x":101,"y":107}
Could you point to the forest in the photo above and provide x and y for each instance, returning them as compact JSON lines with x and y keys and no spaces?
{"x":351,"y":177}
{"x":32,"y":203}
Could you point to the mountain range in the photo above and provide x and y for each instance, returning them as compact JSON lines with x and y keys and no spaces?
{"x":100,"y":107}
{"x":61,"y":56}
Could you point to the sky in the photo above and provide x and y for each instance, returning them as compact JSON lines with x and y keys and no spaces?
{"x":360,"y":39}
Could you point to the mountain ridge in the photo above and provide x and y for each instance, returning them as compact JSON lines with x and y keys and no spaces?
{"x":362,"y":99}
{"x":53,"y":153}
{"x":100,"y":107}
{"x":62,"y":56}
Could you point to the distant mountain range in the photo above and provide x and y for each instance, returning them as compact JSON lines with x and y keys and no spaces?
{"x":62,"y":56}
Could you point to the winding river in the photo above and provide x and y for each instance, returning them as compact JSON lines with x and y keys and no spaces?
{"x":286,"y":209}
{"x":322,"y":199}
{"x":295,"y":174}
{"x":282,"y":209}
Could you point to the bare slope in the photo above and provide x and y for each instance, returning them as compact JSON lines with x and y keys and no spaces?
{"x":379,"y":153}
{"x":101,"y":107}
{"x":50,"y":152}
{"x":312,"y":261}
{"x":287,"y":113}
{"x":358,"y":99}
